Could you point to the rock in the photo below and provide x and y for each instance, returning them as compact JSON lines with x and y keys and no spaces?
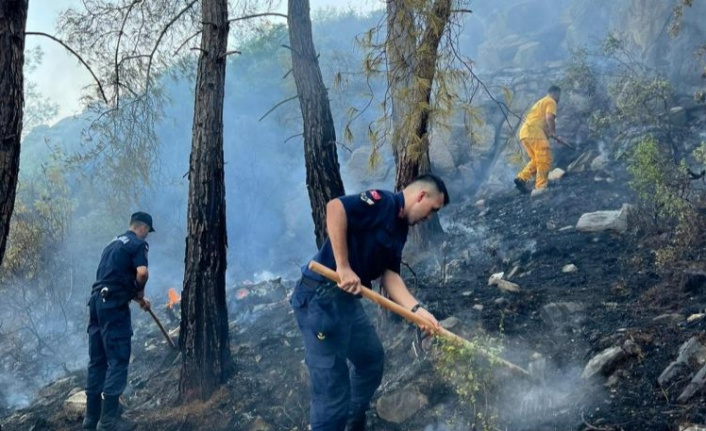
{"x":398,"y":406}
{"x":671,"y":318}
{"x":528,"y":52}
{"x":600,"y":221}
{"x":678,"y":116}
{"x":259,"y":424}
{"x":599,"y":163}
{"x":442,"y":158}
{"x":603,"y":362}
{"x":478,"y":307}
{"x":695,"y":385}
{"x":558,"y":315}
{"x":457,"y":269}
{"x":612,"y":380}
{"x":569,"y":268}
{"x":480,"y":204}
{"x":501,"y":302}
{"x":75,"y":406}
{"x":507,"y":286}
{"x":692,"y":427}
{"x":693,"y":281}
{"x":606,"y":361}
{"x":494,"y":277}
{"x":450,"y":322}
{"x":691,"y":352}
{"x":581,"y":163}
{"x":556,"y":174}
{"x":695,"y":317}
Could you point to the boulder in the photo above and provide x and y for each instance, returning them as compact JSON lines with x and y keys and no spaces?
{"x":400,"y":405}
{"x":691,"y":352}
{"x":600,"y":221}
{"x":605,"y":362}
{"x":75,"y":406}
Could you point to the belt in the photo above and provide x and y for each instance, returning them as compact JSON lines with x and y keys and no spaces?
{"x":325,"y":289}
{"x":106,"y":290}
{"x":311,"y":283}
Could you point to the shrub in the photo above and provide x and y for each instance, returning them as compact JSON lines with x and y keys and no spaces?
{"x":665,"y":200}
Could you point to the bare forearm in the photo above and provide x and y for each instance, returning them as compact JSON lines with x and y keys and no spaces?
{"x":141,"y":280}
{"x":551,"y":126}
{"x":400,"y":294}
{"x":337,"y":226}
{"x":398,"y":290}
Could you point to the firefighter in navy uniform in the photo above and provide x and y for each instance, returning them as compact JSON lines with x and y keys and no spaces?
{"x":367,"y":233}
{"x":120,"y":278}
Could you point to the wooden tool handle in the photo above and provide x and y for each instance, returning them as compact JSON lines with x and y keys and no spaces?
{"x":375,"y":297}
{"x":412,"y":317}
{"x":161,"y":328}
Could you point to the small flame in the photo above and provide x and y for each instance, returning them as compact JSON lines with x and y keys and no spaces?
{"x":241,"y":293}
{"x":174,"y":297}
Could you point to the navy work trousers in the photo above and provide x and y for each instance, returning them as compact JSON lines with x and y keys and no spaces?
{"x":109,"y":343}
{"x":336,"y":330}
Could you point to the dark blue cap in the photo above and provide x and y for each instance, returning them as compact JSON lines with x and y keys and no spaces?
{"x":144,"y":218}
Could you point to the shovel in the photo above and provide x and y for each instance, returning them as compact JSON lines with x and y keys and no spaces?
{"x":413,"y":317}
{"x":161,"y":327}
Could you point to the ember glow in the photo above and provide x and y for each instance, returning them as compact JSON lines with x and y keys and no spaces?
{"x":174,"y":297}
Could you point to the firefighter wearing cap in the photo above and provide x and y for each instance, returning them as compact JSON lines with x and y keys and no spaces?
{"x":367,"y":233}
{"x":121,"y":277}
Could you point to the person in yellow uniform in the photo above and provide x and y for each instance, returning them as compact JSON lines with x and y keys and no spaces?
{"x":537,"y":128}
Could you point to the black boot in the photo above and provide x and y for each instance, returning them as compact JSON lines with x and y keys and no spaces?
{"x":110,"y":416}
{"x":356,"y":422}
{"x":521,"y":185}
{"x":93,"y":411}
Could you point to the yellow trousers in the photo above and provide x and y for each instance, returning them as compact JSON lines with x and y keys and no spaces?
{"x":540,"y":155}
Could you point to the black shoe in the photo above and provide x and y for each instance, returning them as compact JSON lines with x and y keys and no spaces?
{"x":356,"y":423}
{"x":110,"y":416}
{"x":93,"y":411}
{"x":521,"y":186}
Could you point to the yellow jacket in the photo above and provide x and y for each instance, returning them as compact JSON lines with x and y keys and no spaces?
{"x":535,"y":124}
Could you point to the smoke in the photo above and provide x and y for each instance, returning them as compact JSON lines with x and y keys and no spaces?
{"x":555,"y":397}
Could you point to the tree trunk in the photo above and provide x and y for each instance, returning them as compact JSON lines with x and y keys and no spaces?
{"x":323,"y":177}
{"x":400,"y":49}
{"x":412,"y":147}
{"x":203,"y":341}
{"x":13,"y":21}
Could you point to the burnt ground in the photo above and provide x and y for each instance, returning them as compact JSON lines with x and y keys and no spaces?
{"x":614,"y":296}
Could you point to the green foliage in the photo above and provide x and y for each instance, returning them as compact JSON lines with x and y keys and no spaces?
{"x":579,"y":76}
{"x":665,"y":200}
{"x":675,"y":29}
{"x":39,"y":227}
{"x":468,"y":368}
{"x":699,"y":153}
{"x":636,"y":98}
{"x":427,"y":84}
{"x":38,"y":109}
{"x":675,"y":24}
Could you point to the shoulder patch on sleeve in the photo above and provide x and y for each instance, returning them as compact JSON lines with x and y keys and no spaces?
{"x":365,"y":197}
{"x":375,"y":195}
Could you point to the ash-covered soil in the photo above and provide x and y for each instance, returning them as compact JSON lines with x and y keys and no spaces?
{"x":554,"y":325}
